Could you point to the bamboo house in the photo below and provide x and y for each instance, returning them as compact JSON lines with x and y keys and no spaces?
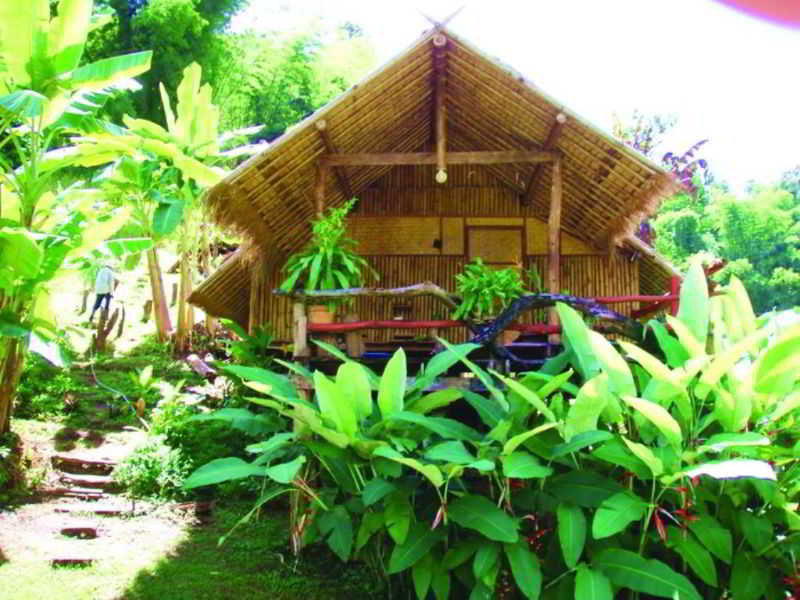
{"x":452,"y":156}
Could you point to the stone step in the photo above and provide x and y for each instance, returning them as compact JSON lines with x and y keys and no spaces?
{"x":85,"y":480}
{"x":82,"y":464}
{"x":79,"y":528}
{"x":73,"y":492}
{"x":93,"y":508}
{"x":72,"y":561}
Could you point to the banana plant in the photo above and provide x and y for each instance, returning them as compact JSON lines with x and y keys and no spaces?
{"x":44,"y":90}
{"x":191,"y":147}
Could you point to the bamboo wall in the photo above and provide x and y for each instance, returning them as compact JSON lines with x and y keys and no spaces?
{"x":412,"y":230}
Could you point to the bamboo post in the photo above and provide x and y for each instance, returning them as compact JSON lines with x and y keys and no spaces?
{"x":554,"y":241}
{"x":440,"y":110}
{"x":330,"y":148}
{"x":320,"y":174}
{"x":549,"y":144}
{"x":675,"y":290}
{"x":300,"y":331}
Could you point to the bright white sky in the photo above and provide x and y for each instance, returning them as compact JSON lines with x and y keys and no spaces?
{"x":726,"y":76}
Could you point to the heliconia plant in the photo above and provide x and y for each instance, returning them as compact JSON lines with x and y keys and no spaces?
{"x":667,"y":472}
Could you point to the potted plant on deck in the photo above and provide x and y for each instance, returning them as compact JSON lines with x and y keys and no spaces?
{"x":328,"y":262}
{"x":486,"y":292}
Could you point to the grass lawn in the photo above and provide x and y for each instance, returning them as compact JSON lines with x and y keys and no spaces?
{"x":160,"y":559}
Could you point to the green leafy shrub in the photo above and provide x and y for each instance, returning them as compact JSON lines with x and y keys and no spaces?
{"x":43,"y":388}
{"x":153,"y":470}
{"x":329,"y":261}
{"x":667,"y":474}
{"x":486,"y":291}
{"x":251,"y":348}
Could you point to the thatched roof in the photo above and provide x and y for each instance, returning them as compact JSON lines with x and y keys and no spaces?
{"x":607,"y":187}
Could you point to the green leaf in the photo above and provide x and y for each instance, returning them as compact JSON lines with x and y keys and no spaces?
{"x":393,"y":384}
{"x":617,"y":453}
{"x":286,"y":472}
{"x":714,"y":536}
{"x":529,"y":395}
{"x":725,"y":361}
{"x":20,"y":254}
{"x":616,"y":513}
{"x":734,"y":469}
{"x":629,"y":570}
{"x":580,"y":441}
{"x":422,"y":574}
{"x":280,"y":385}
{"x":488,"y":409}
{"x":436,"y":400}
{"x":521,"y":465}
{"x":431,"y":472}
{"x":440,"y":584}
{"x":778,"y":368}
{"x":723,"y":441}
{"x":460,"y":553}
{"x":482,"y":375}
{"x":694,"y":309}
{"x":371,"y":523}
{"x":485,"y":559}
{"x":620,"y":379}
{"x":789,"y":404}
{"x":109,"y":71}
{"x":697,"y":557}
{"x":353,"y":384}
{"x":588,"y":406}
{"x":571,"y":532}
{"x":167,"y":217}
{"x":421,"y":539}
{"x":577,"y":334}
{"x":592,"y":585}
{"x":757,"y":530}
{"x":397,"y":514}
{"x":659,"y":417}
{"x":244,"y":420}
{"x":375,"y":490}
{"x":337,"y":526}
{"x":694,"y":347}
{"x":525,"y":569}
{"x":441,"y":363}
{"x":516,"y":441}
{"x":675,"y":353}
{"x":222,"y":469}
{"x":749,"y":577}
{"x":451,"y":452}
{"x":646,"y":455}
{"x":447,"y":428}
{"x":481,"y":515}
{"x":584,"y":488}
{"x":334,"y":405}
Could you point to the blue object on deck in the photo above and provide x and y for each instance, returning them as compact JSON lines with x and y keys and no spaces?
{"x":377,"y":355}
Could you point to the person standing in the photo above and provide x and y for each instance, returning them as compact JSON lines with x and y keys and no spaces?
{"x":103,"y":285}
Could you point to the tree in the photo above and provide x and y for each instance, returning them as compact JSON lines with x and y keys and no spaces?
{"x":44,"y":90}
{"x":178,"y":31}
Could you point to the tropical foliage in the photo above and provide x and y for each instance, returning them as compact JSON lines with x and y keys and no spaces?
{"x":46,"y":92}
{"x":670,"y":474}
{"x":329,"y":260}
{"x":485,"y":291}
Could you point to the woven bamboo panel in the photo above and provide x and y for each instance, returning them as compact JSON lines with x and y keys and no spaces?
{"x":494,"y":222}
{"x":536,"y":241}
{"x":453,"y":235}
{"x":495,"y":245}
{"x":395,"y":235}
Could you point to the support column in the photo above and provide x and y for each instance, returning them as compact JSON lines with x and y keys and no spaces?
{"x":674,"y":289}
{"x":320,"y":175}
{"x":554,"y":241}
{"x":439,"y":109}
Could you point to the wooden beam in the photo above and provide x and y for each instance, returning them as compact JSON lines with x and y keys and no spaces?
{"x":554,"y":238}
{"x":320,"y":175}
{"x":341,"y":175}
{"x":439,"y":108}
{"x":491,"y":157}
{"x":549,"y":144}
{"x":655,"y":256}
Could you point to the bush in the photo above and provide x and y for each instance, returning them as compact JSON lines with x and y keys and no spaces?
{"x":153,"y":470}
{"x":43,"y":389}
